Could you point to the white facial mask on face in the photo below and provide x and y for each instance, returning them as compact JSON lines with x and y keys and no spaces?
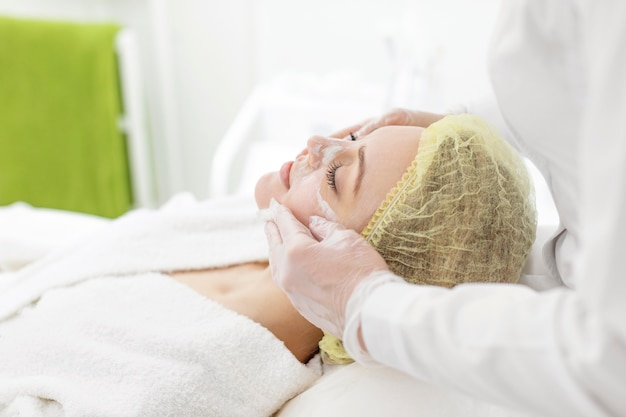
{"x":330,"y":152}
{"x":325,"y":209}
{"x":327,"y":154}
{"x":316,"y":149}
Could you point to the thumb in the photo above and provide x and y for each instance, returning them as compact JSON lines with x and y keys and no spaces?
{"x":272,"y":233}
{"x":322,"y":228}
{"x":289,"y":228}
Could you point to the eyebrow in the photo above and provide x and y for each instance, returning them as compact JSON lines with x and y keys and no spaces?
{"x":359,"y":178}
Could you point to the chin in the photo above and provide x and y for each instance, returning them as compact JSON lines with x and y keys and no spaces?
{"x":266,"y":189}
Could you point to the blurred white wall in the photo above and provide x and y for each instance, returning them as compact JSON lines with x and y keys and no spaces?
{"x":201,"y":59}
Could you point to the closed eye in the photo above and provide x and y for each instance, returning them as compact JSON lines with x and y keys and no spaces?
{"x":331,"y":173}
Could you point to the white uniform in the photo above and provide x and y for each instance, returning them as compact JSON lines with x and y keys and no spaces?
{"x":558,"y":70}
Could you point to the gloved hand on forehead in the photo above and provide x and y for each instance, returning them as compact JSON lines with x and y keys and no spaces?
{"x":395,"y":117}
{"x":319,"y":268}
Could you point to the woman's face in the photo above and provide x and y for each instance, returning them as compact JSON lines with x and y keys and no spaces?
{"x":342,"y":180}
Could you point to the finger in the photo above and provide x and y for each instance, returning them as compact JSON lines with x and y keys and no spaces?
{"x":369,"y":127}
{"x":322,"y":228}
{"x":345,"y":133}
{"x":288,"y":226}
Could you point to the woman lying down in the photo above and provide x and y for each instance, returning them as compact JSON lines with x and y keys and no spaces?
{"x":173,"y":312}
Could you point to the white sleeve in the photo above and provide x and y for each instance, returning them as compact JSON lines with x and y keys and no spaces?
{"x":603,"y":164}
{"x":541,"y":351}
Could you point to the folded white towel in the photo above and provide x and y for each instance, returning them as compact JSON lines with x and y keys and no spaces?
{"x":143,"y":346}
{"x":94,"y":334}
{"x":183,"y":234}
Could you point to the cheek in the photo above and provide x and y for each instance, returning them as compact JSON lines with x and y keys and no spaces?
{"x":302,"y":198}
{"x":359,"y":216}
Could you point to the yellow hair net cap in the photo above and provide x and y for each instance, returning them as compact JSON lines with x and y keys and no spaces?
{"x":462,"y":212}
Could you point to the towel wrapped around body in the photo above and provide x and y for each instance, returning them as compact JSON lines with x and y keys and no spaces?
{"x":98,"y":330}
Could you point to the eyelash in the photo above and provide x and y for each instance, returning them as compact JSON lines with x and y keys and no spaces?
{"x":330,"y":175}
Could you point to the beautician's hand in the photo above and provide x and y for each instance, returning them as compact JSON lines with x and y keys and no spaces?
{"x":319,"y":269}
{"x":395,"y":117}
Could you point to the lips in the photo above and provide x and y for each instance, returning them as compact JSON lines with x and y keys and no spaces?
{"x":284,"y":173}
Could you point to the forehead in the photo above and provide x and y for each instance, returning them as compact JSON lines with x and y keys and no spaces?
{"x":391,"y":148}
{"x":388,"y":152}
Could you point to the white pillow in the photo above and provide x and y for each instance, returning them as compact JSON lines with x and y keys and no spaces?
{"x":355,"y":390}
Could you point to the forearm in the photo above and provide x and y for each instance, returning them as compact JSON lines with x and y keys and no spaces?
{"x":503,"y":343}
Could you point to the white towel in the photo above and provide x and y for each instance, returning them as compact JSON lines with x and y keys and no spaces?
{"x":28,"y":233}
{"x":183,"y":234}
{"x":107,"y":337}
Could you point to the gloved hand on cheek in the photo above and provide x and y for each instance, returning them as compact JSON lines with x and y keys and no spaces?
{"x":319,"y":268}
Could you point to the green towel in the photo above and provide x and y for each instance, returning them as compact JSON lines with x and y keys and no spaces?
{"x":60,"y":146}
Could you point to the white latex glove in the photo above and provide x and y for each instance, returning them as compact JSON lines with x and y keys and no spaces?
{"x":319,"y":268}
{"x":394,"y":117}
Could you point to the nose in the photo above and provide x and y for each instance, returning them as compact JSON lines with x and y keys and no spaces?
{"x":316,"y":146}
